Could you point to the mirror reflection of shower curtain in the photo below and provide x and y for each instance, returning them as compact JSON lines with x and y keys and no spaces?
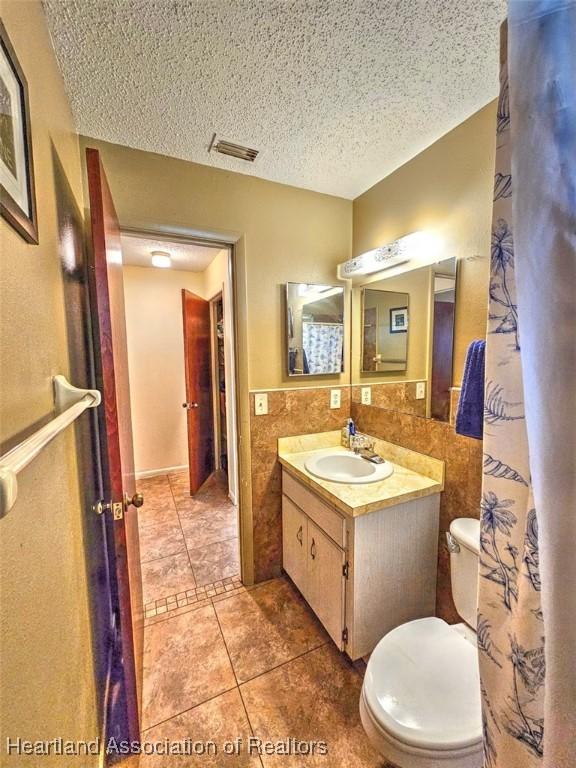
{"x":323,"y":344}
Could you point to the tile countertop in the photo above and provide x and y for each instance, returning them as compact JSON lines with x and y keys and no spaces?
{"x":415,"y":474}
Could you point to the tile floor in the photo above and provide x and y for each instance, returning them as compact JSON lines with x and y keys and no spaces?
{"x":224,"y":663}
{"x":189,"y":548}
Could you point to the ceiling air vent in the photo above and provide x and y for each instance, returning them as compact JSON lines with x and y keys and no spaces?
{"x":234,"y":150}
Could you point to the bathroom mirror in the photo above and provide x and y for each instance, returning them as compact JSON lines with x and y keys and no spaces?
{"x":384,"y":330}
{"x":315,"y":329}
{"x":402,"y":339}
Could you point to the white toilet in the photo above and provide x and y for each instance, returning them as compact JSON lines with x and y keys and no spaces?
{"x":420,"y":702}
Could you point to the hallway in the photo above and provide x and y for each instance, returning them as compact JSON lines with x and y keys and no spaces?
{"x":189,"y":547}
{"x":223,"y":662}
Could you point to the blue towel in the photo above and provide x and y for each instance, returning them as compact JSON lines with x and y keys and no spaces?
{"x":470,"y":414}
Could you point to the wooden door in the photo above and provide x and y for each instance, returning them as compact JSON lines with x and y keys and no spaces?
{"x":294,"y":543}
{"x":369,"y":347}
{"x":117,"y":454}
{"x":326,"y":584}
{"x":199,"y":406}
{"x":442,"y":344}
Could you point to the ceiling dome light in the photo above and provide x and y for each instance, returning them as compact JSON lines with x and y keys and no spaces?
{"x":161,"y":259}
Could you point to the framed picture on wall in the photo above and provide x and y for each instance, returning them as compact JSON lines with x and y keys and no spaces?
{"x":399,"y":320}
{"x":17,"y":197}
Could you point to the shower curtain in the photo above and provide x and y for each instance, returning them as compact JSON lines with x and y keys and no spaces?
{"x":323,"y":343}
{"x":527,"y":585}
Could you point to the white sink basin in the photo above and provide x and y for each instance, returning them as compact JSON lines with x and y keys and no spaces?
{"x":344,"y":467}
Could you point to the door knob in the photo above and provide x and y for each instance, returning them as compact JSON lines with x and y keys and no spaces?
{"x":189,"y":406}
{"x":137,"y":500}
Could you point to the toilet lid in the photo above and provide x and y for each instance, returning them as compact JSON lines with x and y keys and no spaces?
{"x":422,"y":686}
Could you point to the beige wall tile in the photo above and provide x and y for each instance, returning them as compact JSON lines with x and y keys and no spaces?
{"x":291,"y":412}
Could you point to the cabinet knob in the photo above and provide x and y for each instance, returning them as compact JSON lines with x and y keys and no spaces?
{"x":299,"y":535}
{"x":313,"y":550}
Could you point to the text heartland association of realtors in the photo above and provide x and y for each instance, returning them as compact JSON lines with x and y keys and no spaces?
{"x":250,"y":745}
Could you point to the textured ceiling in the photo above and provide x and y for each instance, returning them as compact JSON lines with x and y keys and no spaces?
{"x":335,"y":94}
{"x":194,"y":258}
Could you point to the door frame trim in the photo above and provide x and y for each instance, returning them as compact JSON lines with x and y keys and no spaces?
{"x":215,"y":366}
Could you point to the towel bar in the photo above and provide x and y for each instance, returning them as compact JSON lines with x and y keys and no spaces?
{"x":69,"y":403}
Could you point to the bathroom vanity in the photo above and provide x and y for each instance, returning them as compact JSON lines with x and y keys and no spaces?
{"x":363,"y":556}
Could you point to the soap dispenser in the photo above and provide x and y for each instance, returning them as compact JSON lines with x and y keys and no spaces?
{"x":348,"y":433}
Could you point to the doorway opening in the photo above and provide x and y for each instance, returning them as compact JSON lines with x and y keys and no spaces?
{"x":181,"y":365}
{"x":178,"y":297}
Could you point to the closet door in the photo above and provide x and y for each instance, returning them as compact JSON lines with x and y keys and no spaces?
{"x":294,"y":537}
{"x":199,"y":405}
{"x":326,"y":583}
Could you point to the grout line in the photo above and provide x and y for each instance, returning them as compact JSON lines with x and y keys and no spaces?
{"x":212,"y":543}
{"x":170,"y":554}
{"x":189,"y":709}
{"x":182,"y":530}
{"x":252,"y":731}
{"x":226,"y":646}
{"x":265,"y":673}
{"x":284,"y":663}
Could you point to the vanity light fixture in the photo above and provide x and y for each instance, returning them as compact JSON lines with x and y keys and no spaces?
{"x":161,"y":259}
{"x":421,"y":246}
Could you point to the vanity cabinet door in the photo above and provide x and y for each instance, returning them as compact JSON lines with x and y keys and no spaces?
{"x":294,"y":538}
{"x":326,"y":582}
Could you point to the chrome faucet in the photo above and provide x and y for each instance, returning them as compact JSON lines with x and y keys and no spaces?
{"x":363,"y":446}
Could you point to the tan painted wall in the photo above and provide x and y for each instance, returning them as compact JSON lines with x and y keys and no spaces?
{"x":156,"y":363}
{"x":46,"y":655}
{"x":446,"y":189}
{"x":289,"y":234}
{"x":214,"y":276}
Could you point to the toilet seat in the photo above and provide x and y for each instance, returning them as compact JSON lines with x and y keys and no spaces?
{"x":421,"y":695}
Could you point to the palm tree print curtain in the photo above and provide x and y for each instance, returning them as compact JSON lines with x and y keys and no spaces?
{"x":527,"y":584}
{"x":510,"y":626}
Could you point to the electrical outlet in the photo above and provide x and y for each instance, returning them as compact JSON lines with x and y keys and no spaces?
{"x":334,"y":398}
{"x":366,"y":395}
{"x":420,"y":390}
{"x":260,"y":404}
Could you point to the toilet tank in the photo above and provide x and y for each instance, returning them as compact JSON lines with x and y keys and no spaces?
{"x":464,"y":546}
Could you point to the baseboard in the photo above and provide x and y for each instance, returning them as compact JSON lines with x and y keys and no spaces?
{"x":161,"y":471}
